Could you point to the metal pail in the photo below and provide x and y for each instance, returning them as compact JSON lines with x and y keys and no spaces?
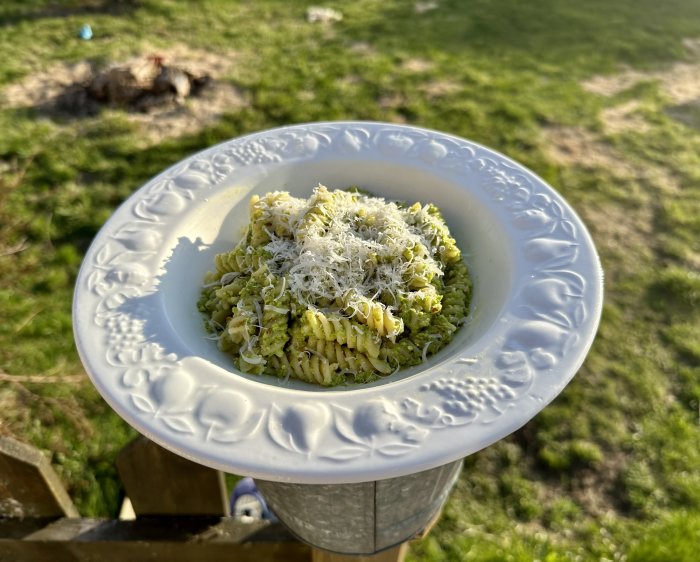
{"x":362,"y":518}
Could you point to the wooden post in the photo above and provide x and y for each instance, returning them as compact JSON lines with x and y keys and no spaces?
{"x":29,"y":487}
{"x":183,"y":501}
{"x":38,"y":522}
{"x":159,"y":482}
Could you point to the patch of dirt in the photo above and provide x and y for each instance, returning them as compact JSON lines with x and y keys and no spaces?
{"x":55,"y":92}
{"x":417,"y":65}
{"x":392,"y":101}
{"x":39,"y":88}
{"x":575,"y":146}
{"x":8,"y":405}
{"x":624,"y":117}
{"x":362,"y":48}
{"x":196,"y":114}
{"x":623,"y":231}
{"x":609,"y":85}
{"x":423,"y":7}
{"x":692,"y":45}
{"x":679,"y":83}
{"x":595,"y":489}
{"x":440,"y":88}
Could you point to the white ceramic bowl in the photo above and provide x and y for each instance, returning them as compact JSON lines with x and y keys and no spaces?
{"x":535,"y":308}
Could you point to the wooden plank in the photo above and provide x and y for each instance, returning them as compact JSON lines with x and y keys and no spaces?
{"x":159,"y":482}
{"x":156,"y":539}
{"x":63,"y":529}
{"x":396,"y":554}
{"x":152,"y":552}
{"x":202,"y":529}
{"x":15,"y":528}
{"x":29,"y":487}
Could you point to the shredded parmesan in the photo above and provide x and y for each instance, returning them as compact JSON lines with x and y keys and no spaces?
{"x":253,"y":359}
{"x":425,"y":351}
{"x":353,"y":246}
{"x":277,"y":309}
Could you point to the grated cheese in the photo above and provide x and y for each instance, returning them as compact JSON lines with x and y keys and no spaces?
{"x":352,"y":249}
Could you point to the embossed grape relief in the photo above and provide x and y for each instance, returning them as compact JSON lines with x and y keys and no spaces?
{"x":449,"y":402}
{"x":122,"y":278}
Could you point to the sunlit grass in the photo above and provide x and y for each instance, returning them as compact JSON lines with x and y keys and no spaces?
{"x":610,"y":469}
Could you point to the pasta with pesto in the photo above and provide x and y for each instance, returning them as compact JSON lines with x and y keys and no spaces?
{"x":339,"y":287}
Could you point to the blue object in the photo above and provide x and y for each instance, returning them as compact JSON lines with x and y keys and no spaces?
{"x":246,"y":487}
{"x":85,"y":32}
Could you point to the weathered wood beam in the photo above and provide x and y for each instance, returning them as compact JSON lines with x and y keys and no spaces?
{"x":171,"y":539}
{"x":29,"y":487}
{"x":159,"y":482}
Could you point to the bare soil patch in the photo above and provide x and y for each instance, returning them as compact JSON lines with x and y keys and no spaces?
{"x":679,"y":83}
{"x":362,"y":48}
{"x":595,"y":489}
{"x":417,"y":65}
{"x":64,"y":92}
{"x":440,"y":88}
{"x":620,"y":230}
{"x":625,"y":233}
{"x":575,"y":146}
{"x":624,"y":117}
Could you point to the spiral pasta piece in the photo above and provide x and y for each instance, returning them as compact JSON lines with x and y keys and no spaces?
{"x":341,"y":330}
{"x":274,"y":334}
{"x":308,"y":367}
{"x":317,"y":217}
{"x":345,"y":358}
{"x":376,"y":315}
{"x":233,"y":261}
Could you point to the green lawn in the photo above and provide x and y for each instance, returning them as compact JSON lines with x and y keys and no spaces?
{"x":611,"y":469}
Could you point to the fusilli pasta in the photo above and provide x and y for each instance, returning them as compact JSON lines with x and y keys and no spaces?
{"x":342,"y":286}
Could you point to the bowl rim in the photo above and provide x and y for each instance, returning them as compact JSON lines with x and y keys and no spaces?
{"x":457,"y":406}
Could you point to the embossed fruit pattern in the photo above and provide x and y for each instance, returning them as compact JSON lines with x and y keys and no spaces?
{"x":542,"y":329}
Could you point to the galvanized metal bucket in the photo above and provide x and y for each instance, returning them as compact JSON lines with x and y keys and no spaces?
{"x":362,"y":518}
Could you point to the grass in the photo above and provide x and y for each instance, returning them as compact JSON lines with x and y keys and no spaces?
{"x":611,"y":469}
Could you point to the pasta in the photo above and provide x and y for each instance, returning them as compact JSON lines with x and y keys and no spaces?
{"x":340,"y":287}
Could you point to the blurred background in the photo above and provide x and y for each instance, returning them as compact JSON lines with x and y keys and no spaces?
{"x":600,"y":98}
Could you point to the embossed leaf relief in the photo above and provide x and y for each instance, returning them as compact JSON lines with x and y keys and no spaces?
{"x":228,"y":416}
{"x":550,"y":310}
{"x":375,"y":427}
{"x":552,"y":297}
{"x":167,"y":398}
{"x":121,"y":277}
